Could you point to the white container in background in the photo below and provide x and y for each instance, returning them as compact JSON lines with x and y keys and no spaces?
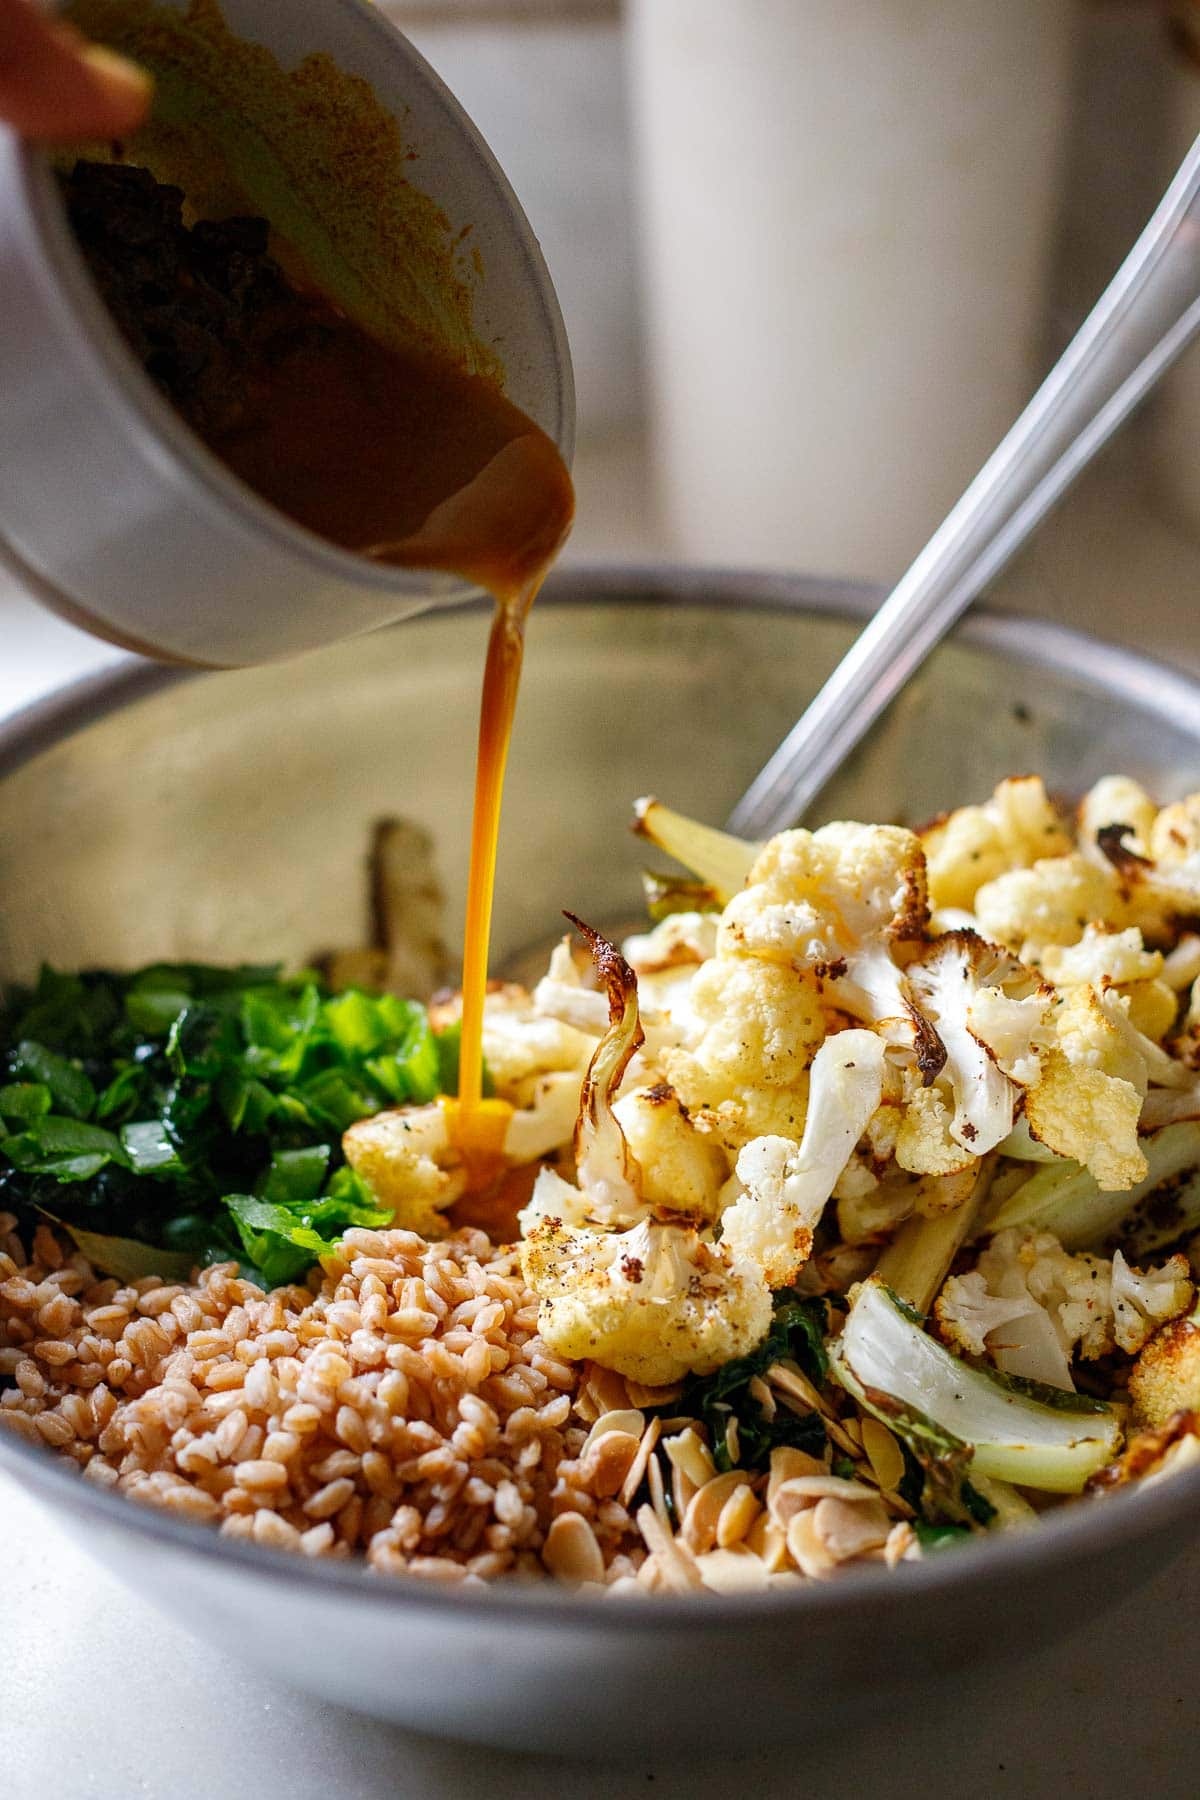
{"x":846,"y":217}
{"x":1176,"y":427}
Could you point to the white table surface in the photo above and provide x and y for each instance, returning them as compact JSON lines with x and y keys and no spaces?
{"x":102,"y":1699}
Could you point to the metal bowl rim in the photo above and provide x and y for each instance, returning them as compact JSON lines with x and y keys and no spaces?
{"x":1076,"y":1534}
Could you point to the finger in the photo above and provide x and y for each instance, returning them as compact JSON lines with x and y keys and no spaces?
{"x":54,"y":85}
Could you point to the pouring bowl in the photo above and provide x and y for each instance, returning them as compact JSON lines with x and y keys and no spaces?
{"x":322,"y":117}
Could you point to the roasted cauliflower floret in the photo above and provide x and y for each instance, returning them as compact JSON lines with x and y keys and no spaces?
{"x":1115,"y":804}
{"x":924,"y":1145}
{"x":755,"y":1028}
{"x":1143,"y":1298}
{"x":971,"y":993}
{"x":1090,"y":1118}
{"x":1094,"y":1305}
{"x":543,"y":1119}
{"x":967,"y":1314}
{"x":677,"y":941}
{"x":838,"y":904}
{"x":1117,"y":959}
{"x":680,"y":1168}
{"x":406,"y":1159}
{"x":655,"y":1303}
{"x":760,"y":1025}
{"x":1102,"y":959}
{"x":1175,"y":835}
{"x":786,"y":1185}
{"x":518,"y":1042}
{"x":1166,"y":1377}
{"x":1051,"y":903}
{"x":1017,"y":826}
{"x":1087,"y":1101}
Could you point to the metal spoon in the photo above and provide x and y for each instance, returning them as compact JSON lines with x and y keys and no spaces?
{"x":1146,"y":317}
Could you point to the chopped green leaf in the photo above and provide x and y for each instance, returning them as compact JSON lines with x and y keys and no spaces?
{"x":70,"y":1088}
{"x":797,"y":1335}
{"x":149,"y":1149}
{"x":295,"y":1176}
{"x":448,"y":1048}
{"x":133,"y":1105}
{"x":24,"y":1101}
{"x":68,"y":1149}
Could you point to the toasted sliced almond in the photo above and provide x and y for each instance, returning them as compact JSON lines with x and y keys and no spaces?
{"x":848,"y":1530}
{"x":806,"y":1491}
{"x":765,"y":1398}
{"x":883,"y":1453}
{"x":798,"y":1386}
{"x":650,"y":1397}
{"x":675,"y":1570}
{"x":902,"y":1544}
{"x":608,"y":1461}
{"x":571,"y":1552}
{"x":769,"y":1543}
{"x":805,"y":1547}
{"x":606,"y":1390}
{"x":733,"y":1572}
{"x":787,"y":1464}
{"x":627,"y":1420}
{"x":637,"y":1468}
{"x":689,"y":1452}
{"x":699,"y":1530}
{"x":737,"y":1516}
{"x":682,"y":1490}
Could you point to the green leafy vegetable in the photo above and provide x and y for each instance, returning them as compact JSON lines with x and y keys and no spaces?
{"x":797,"y":1335}
{"x":1065,"y":1199}
{"x":67,"y":1149}
{"x":196,"y":1112}
{"x":70,"y":1089}
{"x":1015,"y":1431}
{"x":449,"y":1047}
{"x":940,"y":1537}
{"x":25,"y":1101}
{"x":287,"y":1228}
{"x":936,"y":1465}
{"x":668,"y":894}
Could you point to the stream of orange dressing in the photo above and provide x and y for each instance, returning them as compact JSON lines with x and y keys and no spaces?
{"x":412,"y":461}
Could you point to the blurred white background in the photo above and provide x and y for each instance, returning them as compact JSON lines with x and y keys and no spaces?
{"x":712,"y":180}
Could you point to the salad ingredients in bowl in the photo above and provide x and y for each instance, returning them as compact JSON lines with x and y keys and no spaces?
{"x":846,"y":1214}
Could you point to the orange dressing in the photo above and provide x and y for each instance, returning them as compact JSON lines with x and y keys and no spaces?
{"x":409,"y":460}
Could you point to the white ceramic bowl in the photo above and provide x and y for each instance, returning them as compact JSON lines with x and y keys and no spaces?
{"x":113,"y":512}
{"x":146,"y":816}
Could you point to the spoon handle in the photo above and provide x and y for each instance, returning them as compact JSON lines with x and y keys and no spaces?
{"x":1145,"y":318}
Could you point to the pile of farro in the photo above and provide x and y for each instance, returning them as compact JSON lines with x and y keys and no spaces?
{"x":403,"y":1407}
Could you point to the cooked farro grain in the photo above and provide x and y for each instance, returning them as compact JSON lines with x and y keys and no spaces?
{"x":402,"y":1405}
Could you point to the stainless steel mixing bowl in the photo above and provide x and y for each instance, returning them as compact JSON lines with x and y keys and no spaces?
{"x":150,"y":815}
